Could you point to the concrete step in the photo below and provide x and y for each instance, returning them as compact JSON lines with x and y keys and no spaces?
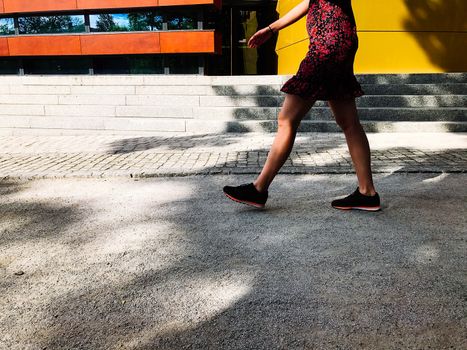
{"x":402,"y":102}
{"x":198,"y":126}
{"x":425,"y":101}
{"x":399,"y":114}
{"x":229,"y":113}
{"x":156,"y":80}
{"x":388,"y":114}
{"x":220,"y":90}
{"x":274,"y":90}
{"x":380,"y":79}
{"x":213,"y":126}
{"x":369,"y":89}
{"x":277,"y":101}
{"x":383,"y":79}
{"x":59,"y":125}
{"x":415,"y":89}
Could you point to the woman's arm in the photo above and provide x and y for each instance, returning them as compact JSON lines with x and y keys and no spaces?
{"x":292,"y":16}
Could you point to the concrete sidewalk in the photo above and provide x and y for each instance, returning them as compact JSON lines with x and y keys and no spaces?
{"x":165,"y":154}
{"x":171,"y":263}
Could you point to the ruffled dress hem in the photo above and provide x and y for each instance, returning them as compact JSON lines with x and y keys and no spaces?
{"x":309,"y":91}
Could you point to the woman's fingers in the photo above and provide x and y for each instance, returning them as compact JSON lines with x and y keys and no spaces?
{"x":251,"y":41}
{"x":258,"y":39}
{"x":255,"y":39}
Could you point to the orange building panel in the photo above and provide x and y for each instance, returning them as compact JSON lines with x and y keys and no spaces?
{"x":105,"y":4}
{"x":4,"y":47}
{"x":187,"y":42}
{"x":38,"y":5}
{"x":19,"y":6}
{"x":44,"y":45}
{"x":113,"y":44}
{"x":187,"y":2}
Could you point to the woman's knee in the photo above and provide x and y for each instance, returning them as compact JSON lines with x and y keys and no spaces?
{"x":293,"y":111}
{"x":345,"y":113}
{"x":288,"y":121}
{"x":348,"y":124}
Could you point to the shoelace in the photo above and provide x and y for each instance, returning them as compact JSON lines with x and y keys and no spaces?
{"x":353,"y":195}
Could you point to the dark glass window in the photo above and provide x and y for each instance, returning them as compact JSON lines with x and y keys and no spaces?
{"x":9,"y":66}
{"x":110,"y":22}
{"x":147,"y":21}
{"x":182,"y":64}
{"x":181,"y":21}
{"x":147,"y":65}
{"x":57,"y":65}
{"x":51,"y":24}
{"x":128,"y":65}
{"x":212,"y":20}
{"x":135,"y":21}
{"x":7,"y":26}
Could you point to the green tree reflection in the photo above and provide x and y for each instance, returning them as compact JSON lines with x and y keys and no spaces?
{"x":51,"y":24}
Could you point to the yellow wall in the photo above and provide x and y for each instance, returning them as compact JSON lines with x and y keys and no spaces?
{"x":395,"y":36}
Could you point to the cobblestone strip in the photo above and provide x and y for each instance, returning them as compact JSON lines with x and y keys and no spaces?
{"x":145,"y":163}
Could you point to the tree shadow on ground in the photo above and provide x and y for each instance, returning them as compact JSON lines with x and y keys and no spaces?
{"x":37,"y":218}
{"x":261,"y":104}
{"x":31,"y":223}
{"x":198,"y":271}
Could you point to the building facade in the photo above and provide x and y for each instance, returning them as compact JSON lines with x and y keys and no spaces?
{"x":133,"y":36}
{"x":209,"y":37}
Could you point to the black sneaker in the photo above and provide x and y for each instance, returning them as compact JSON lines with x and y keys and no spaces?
{"x":358,"y":201}
{"x":246,"y":194}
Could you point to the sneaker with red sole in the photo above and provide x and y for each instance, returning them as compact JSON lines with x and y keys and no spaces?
{"x":358,"y":201}
{"x":246,"y":194}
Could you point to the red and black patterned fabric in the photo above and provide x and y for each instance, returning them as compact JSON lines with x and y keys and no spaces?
{"x":326,"y":73}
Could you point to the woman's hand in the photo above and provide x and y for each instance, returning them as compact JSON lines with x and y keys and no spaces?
{"x":260,"y":37}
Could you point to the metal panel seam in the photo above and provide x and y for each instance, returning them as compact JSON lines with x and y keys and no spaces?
{"x":157,"y":39}
{"x":8,"y":46}
{"x":80,"y":45}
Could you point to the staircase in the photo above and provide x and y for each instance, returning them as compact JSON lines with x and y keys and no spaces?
{"x":393,"y":103}
{"x":203,"y":104}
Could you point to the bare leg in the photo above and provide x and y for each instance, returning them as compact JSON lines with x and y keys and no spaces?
{"x":346,"y":116}
{"x":292,"y":113}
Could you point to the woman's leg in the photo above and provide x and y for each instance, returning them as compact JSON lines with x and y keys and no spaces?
{"x":292,"y":113}
{"x":346,"y":115}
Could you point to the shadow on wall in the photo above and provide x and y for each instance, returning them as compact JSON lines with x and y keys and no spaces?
{"x":445,"y":45}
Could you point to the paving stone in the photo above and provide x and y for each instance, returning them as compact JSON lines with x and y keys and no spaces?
{"x":177,"y":155}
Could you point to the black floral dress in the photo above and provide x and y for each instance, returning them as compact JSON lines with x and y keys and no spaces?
{"x":326,"y":73}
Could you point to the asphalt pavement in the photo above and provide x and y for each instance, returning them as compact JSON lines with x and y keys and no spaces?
{"x":171,"y":263}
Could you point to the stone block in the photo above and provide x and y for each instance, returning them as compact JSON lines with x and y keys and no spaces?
{"x":144,"y":124}
{"x":97,"y":99}
{"x":83,"y":111}
{"x":154,"y":112}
